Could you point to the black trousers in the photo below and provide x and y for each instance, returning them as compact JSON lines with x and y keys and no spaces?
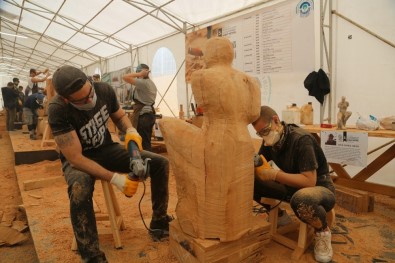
{"x":81,"y":187}
{"x":144,"y":128}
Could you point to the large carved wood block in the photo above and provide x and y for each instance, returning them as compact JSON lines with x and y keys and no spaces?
{"x":213,"y":164}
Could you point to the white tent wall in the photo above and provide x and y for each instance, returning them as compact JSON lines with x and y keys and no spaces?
{"x":364,"y":67}
{"x":175,"y":94}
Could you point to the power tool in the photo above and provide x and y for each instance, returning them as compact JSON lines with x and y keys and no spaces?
{"x":259,"y":160}
{"x":139,"y":168}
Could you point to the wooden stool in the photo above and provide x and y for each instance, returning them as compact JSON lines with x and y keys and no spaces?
{"x":305,"y":235}
{"x":47,"y":136}
{"x":114,"y":216}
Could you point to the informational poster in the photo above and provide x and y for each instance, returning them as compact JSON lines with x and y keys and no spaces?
{"x":345,"y":147}
{"x":276,"y":39}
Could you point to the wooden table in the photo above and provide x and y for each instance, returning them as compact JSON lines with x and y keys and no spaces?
{"x":358,"y":181}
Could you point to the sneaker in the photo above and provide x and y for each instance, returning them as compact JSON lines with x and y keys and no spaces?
{"x":323,"y":248}
{"x":33,"y":137}
{"x":283,"y":219}
{"x":159,"y":229}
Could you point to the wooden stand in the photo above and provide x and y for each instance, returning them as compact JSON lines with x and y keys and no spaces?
{"x":305,"y":233}
{"x":114,"y":216}
{"x":248,"y":248}
{"x":47,"y":136}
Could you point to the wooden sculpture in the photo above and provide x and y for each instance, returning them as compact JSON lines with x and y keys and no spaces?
{"x":343,"y":115}
{"x":213,"y":165}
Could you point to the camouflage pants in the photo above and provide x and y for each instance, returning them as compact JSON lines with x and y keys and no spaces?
{"x":81,"y":186}
{"x":309,"y":204}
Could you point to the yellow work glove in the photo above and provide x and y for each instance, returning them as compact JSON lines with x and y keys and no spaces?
{"x":263,"y":170}
{"x":124,"y":184}
{"x":133,"y":135}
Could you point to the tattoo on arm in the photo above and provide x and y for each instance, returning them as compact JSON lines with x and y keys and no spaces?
{"x":122,"y":123}
{"x":63,"y":140}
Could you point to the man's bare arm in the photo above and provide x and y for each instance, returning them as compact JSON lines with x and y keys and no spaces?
{"x":71,"y":148}
{"x":121,"y":120}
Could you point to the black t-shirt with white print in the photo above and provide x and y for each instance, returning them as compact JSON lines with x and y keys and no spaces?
{"x":91,"y":126}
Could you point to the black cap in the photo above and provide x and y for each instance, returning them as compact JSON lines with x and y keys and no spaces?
{"x":68,"y":79}
{"x":317,"y":83}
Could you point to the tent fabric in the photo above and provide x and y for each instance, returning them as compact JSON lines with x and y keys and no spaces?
{"x":80,"y":33}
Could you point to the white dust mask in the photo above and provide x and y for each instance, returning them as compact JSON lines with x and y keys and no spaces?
{"x":87,"y":106}
{"x":272,"y":138}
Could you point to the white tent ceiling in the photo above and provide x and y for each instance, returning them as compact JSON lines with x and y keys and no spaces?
{"x":80,"y":33}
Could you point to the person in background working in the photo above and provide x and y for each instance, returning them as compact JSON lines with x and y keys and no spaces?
{"x":96,"y":77}
{"x":144,"y":95}
{"x":19,"y":103}
{"x":34,"y":79}
{"x":32,"y":103}
{"x":78,"y":117}
{"x":10,"y":98}
{"x":303,"y":178}
{"x":19,"y":116}
{"x":16,"y":82}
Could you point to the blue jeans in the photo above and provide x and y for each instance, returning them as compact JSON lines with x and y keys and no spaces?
{"x":81,"y":186}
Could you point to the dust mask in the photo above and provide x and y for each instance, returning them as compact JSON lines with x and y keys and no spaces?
{"x":272,"y":138}
{"x":87,"y":106}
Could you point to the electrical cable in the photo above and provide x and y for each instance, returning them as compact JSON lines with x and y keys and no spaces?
{"x":141,"y":214}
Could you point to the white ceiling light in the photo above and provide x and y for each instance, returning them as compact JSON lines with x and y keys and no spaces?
{"x":3,"y":33}
{"x":10,"y":58}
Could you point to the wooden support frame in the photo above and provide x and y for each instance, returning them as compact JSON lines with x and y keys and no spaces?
{"x":114,"y":216}
{"x":305,"y":232}
{"x":359,"y":180}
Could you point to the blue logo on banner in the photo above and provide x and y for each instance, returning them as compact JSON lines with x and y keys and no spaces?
{"x":304,"y":8}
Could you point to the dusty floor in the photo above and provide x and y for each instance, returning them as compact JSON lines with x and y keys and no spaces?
{"x":367,"y":237}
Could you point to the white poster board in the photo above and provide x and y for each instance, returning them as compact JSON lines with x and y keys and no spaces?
{"x":275,"y":45}
{"x":345,"y":147}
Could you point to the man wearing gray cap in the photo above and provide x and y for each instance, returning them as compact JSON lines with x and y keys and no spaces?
{"x":78,"y":117}
{"x":144,"y":95}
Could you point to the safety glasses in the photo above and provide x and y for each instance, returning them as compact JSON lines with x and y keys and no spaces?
{"x":265,"y":131}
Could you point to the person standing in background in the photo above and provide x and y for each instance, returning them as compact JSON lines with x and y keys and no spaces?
{"x":10,"y":98}
{"x":34,"y":79}
{"x":32,"y":103}
{"x":19,"y":117}
{"x":144,"y":95}
{"x":96,"y":78}
{"x":19,"y":102}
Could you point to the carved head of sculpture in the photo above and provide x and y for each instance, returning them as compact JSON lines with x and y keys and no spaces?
{"x":218,"y":50}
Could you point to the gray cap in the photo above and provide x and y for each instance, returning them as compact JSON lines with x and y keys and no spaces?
{"x":68,"y":79}
{"x":140,"y":67}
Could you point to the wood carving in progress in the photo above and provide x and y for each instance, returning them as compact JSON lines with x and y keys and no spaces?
{"x":213,"y":165}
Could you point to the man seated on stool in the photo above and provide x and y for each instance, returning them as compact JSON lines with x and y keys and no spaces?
{"x":78,"y":117}
{"x":303,"y":180}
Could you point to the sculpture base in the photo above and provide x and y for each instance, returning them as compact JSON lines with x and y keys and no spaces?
{"x":249,"y":248}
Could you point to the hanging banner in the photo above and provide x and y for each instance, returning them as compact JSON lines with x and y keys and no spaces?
{"x":345,"y":147}
{"x":276,"y":39}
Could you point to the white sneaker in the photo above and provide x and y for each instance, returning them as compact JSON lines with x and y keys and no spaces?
{"x":323,"y":248}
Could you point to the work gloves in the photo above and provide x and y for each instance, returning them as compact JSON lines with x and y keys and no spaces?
{"x":124,"y":184}
{"x":133,"y":135}
{"x":263,"y":170}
